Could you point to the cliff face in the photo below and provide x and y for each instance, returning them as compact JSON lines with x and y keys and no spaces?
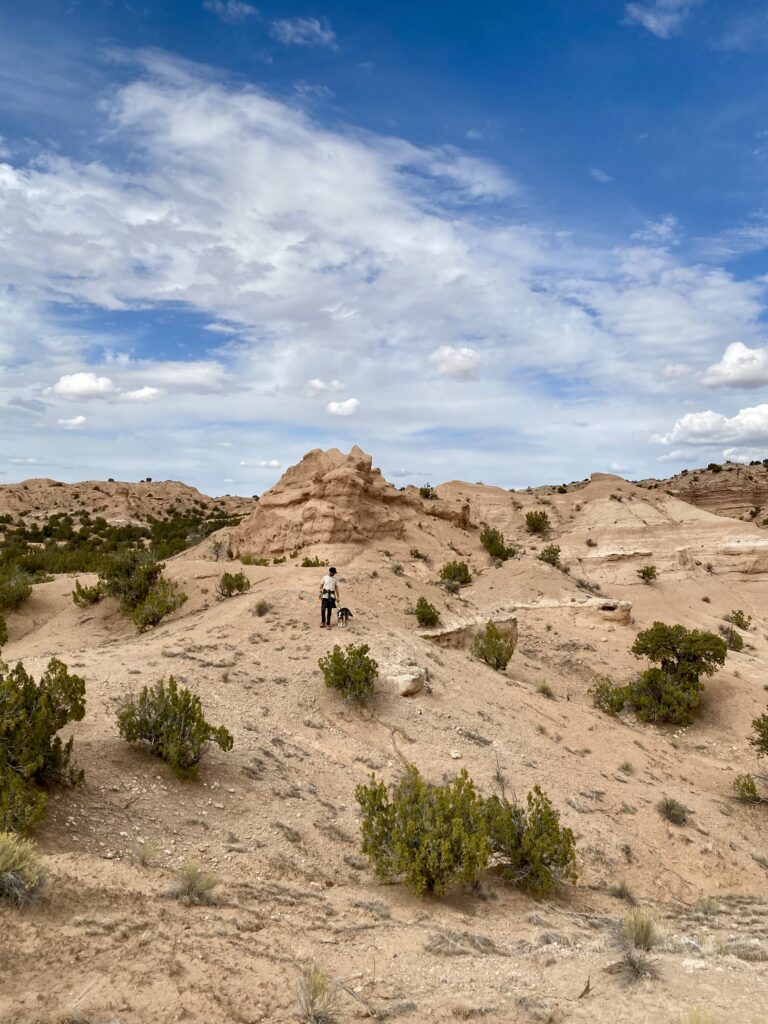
{"x":736,"y":491}
{"x":333,"y":498}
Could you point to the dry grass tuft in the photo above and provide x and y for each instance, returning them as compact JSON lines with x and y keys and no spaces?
{"x":635,"y":965}
{"x":639,"y":929}
{"x":460,"y":944}
{"x":194,"y":885}
{"x":317,"y":996}
{"x":21,"y":876}
{"x":673,"y":811}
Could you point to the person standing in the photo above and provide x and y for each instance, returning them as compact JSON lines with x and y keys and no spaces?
{"x":329,"y":594}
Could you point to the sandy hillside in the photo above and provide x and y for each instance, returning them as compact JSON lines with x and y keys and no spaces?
{"x":732,"y":490}
{"x":276,"y":817}
{"x":116,"y":501}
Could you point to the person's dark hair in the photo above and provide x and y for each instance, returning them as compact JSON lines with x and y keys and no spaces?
{"x":332,"y":571}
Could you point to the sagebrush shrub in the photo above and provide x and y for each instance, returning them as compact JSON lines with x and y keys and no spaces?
{"x":455,"y":572}
{"x":493,"y":542}
{"x":648,"y":573}
{"x":21,"y":876}
{"x":169,"y":720}
{"x":193,"y":884}
{"x":639,"y":929}
{"x":429,"y":836}
{"x":350,"y":672}
{"x":426,"y":614}
{"x":317,"y":997}
{"x":233,"y":583}
{"x":671,"y":809}
{"x":551,"y":555}
{"x":537,"y":522}
{"x":494,"y":647}
{"x":15,"y":588}
{"x":31,"y":754}
{"x":428,"y":492}
{"x":84,"y":597}
{"x":165,"y":597}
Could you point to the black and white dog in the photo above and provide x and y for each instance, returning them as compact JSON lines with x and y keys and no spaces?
{"x":343,"y":616}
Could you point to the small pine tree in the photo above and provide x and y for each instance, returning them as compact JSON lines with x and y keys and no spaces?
{"x":493,"y":542}
{"x":537,"y":522}
{"x":427,"y":615}
{"x":456,"y":572}
{"x":350,"y":672}
{"x":170,"y":721}
{"x":32,"y":755}
{"x":493,"y":647}
{"x":551,"y":555}
{"x":431,"y":837}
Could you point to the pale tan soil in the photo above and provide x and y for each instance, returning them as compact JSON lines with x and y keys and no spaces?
{"x":276,"y":817}
{"x":737,"y":490}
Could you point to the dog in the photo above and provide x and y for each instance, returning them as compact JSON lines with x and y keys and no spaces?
{"x":343,"y":616}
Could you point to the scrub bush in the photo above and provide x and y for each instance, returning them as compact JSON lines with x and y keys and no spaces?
{"x":739,"y":619}
{"x":233,"y":583}
{"x":165,"y":597}
{"x":493,"y":647}
{"x":84,"y":597}
{"x":455,"y":572}
{"x":493,"y":542}
{"x":15,"y":588}
{"x":550,"y":555}
{"x":21,"y":876}
{"x":351,"y":672}
{"x":169,"y":720}
{"x":537,"y":522}
{"x":648,"y":573}
{"x":734,"y":639}
{"x":426,"y":614}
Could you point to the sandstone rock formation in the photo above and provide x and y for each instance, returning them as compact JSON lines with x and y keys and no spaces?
{"x":333,"y":498}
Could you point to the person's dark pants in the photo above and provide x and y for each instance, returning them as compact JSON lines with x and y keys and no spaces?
{"x":328,"y":604}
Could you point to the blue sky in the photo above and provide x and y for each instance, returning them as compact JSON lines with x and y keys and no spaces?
{"x":517,"y":243}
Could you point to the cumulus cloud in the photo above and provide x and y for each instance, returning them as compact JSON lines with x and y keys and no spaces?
{"x":664,"y":18}
{"x":740,"y":367}
{"x":82,"y":385}
{"x":457,"y":363}
{"x":145,"y":394}
{"x":74,"y":423}
{"x":347,"y":408}
{"x":303,"y":32}
{"x":748,"y":426}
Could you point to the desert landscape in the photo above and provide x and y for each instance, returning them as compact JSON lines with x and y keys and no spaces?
{"x":275,"y":819}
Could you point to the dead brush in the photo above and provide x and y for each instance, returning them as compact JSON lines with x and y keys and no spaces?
{"x":193,"y":885}
{"x":317,"y":996}
{"x":622,"y":891}
{"x":460,"y":944}
{"x":635,"y":965}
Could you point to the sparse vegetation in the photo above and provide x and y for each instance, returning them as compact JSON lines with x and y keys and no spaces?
{"x":84,"y":597}
{"x":21,"y":876}
{"x":350,"y":672}
{"x":262,"y":607}
{"x":317,"y":996}
{"x":739,"y":619}
{"x":648,"y":573}
{"x":494,"y":647}
{"x":673,"y":811}
{"x":590,"y":542}
{"x":165,"y":597}
{"x":639,"y":929}
{"x":231,"y":583}
{"x":431,"y":837}
{"x":537,"y":522}
{"x":169,"y":720}
{"x":193,"y":885}
{"x":551,"y":555}
{"x":312,"y":563}
{"x":32,"y":756}
{"x":493,"y":542}
{"x":427,"y":615}
{"x":732,"y":637}
{"x":428,"y":492}
{"x":250,"y":559}
{"x":456,"y":572}
{"x":397,"y":568}
{"x":419,"y":555}
{"x":546,"y":691}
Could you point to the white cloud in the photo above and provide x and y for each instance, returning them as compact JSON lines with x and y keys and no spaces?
{"x":145,"y":394}
{"x":347,"y":408}
{"x":303,"y":32}
{"x":674,"y":371}
{"x":74,"y":423}
{"x":318,"y":386}
{"x":748,"y":426}
{"x":600,"y":175}
{"x":662,"y":231}
{"x":82,"y":385}
{"x":740,"y":367}
{"x":457,"y":363}
{"x":664,"y":18}
{"x":262,"y":463}
{"x":231,"y":10}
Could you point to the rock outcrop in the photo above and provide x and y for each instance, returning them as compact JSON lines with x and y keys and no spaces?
{"x":327,"y":498}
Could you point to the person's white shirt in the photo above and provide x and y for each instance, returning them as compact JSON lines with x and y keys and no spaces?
{"x":329,"y":584}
